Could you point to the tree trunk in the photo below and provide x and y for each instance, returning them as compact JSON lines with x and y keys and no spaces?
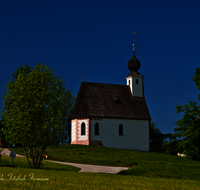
{"x":27,"y":156}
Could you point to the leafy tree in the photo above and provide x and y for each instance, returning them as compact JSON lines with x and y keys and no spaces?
{"x":33,"y":108}
{"x":64,"y":135}
{"x":187,"y":129}
{"x":153,"y":127}
{"x":156,"y":137}
{"x":2,"y":136}
{"x":170,"y":143}
{"x":65,"y":132}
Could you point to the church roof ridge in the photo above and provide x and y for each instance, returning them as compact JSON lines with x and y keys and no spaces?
{"x":105,"y":83}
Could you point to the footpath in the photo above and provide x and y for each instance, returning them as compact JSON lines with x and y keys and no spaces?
{"x":84,"y":167}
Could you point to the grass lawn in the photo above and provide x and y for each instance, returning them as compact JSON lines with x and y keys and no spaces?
{"x":148,"y":170}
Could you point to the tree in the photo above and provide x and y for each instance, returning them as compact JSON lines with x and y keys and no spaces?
{"x":187,"y":129}
{"x":63,"y":134}
{"x":156,"y":137}
{"x":154,"y":128}
{"x":170,"y":143}
{"x":33,"y":108}
{"x":2,"y":136}
{"x":65,"y":131}
{"x":4,"y":142}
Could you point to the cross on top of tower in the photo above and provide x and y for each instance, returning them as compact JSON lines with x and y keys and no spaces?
{"x":133,"y":36}
{"x":133,"y":42}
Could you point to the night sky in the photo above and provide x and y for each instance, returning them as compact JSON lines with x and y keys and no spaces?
{"x":94,"y":39}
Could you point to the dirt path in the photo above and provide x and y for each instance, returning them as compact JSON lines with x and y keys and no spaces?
{"x":84,"y":167}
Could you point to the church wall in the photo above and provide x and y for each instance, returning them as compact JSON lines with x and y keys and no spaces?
{"x":73,"y":131}
{"x":135,"y":133}
{"x":136,"y":89}
{"x":76,"y":137}
{"x":143,"y":135}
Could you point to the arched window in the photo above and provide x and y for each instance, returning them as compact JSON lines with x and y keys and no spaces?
{"x":83,"y":128}
{"x":129,"y":82}
{"x":121,"y":129}
{"x":96,"y":130}
{"x":137,"y":82}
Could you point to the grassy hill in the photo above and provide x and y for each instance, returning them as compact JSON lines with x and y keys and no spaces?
{"x":146,"y":164}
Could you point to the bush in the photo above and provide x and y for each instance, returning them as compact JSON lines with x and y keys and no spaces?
{"x":171,"y":152}
{"x":168,"y":151}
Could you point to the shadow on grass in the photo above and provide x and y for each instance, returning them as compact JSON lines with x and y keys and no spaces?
{"x":21,"y":162}
{"x":162,"y":171}
{"x":138,"y":171}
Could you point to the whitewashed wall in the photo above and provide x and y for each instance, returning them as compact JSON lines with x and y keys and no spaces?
{"x":73,"y":133}
{"x":136,"y":133}
{"x":136,"y":89}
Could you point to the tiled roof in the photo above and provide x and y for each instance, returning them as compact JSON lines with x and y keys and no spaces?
{"x":108,"y":101}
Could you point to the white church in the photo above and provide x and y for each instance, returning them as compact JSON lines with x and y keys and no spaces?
{"x":113,"y":115}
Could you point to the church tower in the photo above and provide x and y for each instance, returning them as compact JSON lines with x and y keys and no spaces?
{"x":135,"y":79}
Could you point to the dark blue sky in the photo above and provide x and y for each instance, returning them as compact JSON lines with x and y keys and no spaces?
{"x":94,"y":39}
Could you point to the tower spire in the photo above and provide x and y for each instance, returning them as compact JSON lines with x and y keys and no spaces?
{"x":135,"y":79}
{"x":134,"y":64}
{"x":133,"y":42}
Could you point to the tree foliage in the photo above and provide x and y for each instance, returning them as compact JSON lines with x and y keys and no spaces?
{"x":63,"y":134}
{"x":2,"y":136}
{"x":153,"y":127}
{"x":34,"y":107}
{"x":65,"y":131}
{"x":156,"y":137}
{"x":187,"y":130}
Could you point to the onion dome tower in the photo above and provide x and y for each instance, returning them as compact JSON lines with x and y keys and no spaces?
{"x":135,"y":79}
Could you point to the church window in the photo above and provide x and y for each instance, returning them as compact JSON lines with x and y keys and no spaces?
{"x":96,"y":132}
{"x":129,"y":82}
{"x":121,"y":129}
{"x":137,"y":82}
{"x":83,"y":128}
